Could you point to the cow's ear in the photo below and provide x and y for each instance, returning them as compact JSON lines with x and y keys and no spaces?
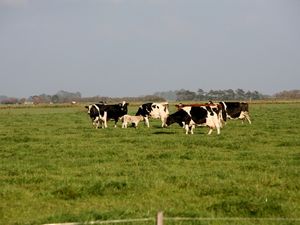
{"x":86,"y":107}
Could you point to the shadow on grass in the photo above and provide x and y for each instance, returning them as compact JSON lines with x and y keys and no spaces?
{"x":164,"y":132}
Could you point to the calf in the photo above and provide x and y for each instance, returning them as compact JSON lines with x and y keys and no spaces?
{"x":131,"y":119}
{"x":102,"y":113}
{"x":191,"y":116}
{"x":154,"y":110}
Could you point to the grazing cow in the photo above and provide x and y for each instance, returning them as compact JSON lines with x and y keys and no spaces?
{"x":101,"y":113}
{"x":131,"y":119}
{"x":154,"y":110}
{"x":235,"y":110}
{"x":190,"y":116}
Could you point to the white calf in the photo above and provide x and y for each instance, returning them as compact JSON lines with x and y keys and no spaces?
{"x":131,"y":119}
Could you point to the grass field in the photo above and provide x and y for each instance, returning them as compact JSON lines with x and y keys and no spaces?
{"x":56,"y":168}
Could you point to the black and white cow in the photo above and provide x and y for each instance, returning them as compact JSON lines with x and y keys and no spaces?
{"x":100,"y":113}
{"x":217,"y":108}
{"x":154,"y":110}
{"x":191,"y":116}
{"x":235,"y":110}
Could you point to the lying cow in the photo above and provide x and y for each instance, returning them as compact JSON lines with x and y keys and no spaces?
{"x":100,"y":113}
{"x":134,"y":120}
{"x":191,"y":116}
{"x":154,"y":110}
{"x":235,"y":110}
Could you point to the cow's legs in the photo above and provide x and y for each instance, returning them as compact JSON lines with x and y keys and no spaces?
{"x":163,"y":121}
{"x":218,"y":126}
{"x":187,"y":128}
{"x":104,"y":120}
{"x":116,"y":121}
{"x":104,"y":124}
{"x":147,"y":121}
{"x":248,"y":117}
{"x":192,"y":129}
{"x":245,"y":116}
{"x":96,"y":123}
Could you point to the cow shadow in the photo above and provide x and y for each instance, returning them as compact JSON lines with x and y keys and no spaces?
{"x":163,"y":132}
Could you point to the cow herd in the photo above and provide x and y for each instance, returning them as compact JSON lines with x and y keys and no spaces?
{"x":188,"y":116}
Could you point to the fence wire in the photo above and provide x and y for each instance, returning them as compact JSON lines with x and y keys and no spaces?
{"x":194,"y":220}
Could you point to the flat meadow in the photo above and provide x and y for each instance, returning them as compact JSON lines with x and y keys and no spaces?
{"x":55,"y":167}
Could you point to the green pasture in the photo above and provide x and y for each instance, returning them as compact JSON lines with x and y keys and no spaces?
{"x":55,"y":167}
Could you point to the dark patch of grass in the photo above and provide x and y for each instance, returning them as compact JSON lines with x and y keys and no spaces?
{"x":67,"y":192}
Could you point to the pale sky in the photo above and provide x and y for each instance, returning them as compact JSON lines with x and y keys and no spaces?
{"x":122,"y":48}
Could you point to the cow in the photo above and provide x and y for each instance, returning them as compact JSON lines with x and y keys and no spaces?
{"x":191,"y":116}
{"x":217,"y":108}
{"x":100,"y":113}
{"x":154,"y":110}
{"x":235,"y":110}
{"x":134,"y":120}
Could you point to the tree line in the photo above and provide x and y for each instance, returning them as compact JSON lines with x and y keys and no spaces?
{"x":75,"y":97}
{"x":201,"y":95}
{"x":178,"y":95}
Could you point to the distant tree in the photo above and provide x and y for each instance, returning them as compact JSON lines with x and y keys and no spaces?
{"x":248,"y":95}
{"x":9,"y":101}
{"x":240,"y":94}
{"x":168,"y":95}
{"x":36,"y":99}
{"x":3,"y":97}
{"x":201,"y":94}
{"x":256,"y":95}
{"x":152,"y":98}
{"x":213,"y":95}
{"x":45,"y":98}
{"x":65,"y":96}
{"x":22,"y":100}
{"x":55,"y":99}
{"x":229,"y":94}
{"x":185,"y":95}
{"x":292,"y":94}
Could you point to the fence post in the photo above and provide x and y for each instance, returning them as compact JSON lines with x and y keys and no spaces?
{"x":160,"y":218}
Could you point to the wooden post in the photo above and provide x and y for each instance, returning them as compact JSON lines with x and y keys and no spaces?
{"x":160,"y":218}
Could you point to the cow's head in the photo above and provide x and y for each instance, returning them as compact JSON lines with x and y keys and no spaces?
{"x":93,"y":111}
{"x":88,"y":107}
{"x":124,"y":107}
{"x":169,"y":121}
